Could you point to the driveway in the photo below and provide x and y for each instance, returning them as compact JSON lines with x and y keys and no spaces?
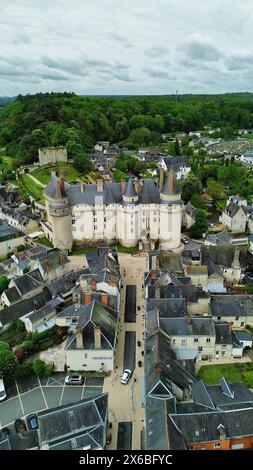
{"x":32,"y":395}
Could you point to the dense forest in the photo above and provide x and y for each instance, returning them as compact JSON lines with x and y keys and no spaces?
{"x":39,"y":120}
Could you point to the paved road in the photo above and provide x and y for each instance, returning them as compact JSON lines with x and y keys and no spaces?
{"x":124,"y":441}
{"x":130,"y":304}
{"x":130,"y":350}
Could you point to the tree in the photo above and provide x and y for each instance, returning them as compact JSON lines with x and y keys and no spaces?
{"x":7,"y":361}
{"x":81,"y":160}
{"x":4,"y":282}
{"x":140,"y":136}
{"x":191,"y":185}
{"x":39,"y":367}
{"x":200,"y":226}
{"x":215,"y":189}
{"x":177,"y":148}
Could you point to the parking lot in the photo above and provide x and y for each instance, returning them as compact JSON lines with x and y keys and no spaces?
{"x":33,"y":394}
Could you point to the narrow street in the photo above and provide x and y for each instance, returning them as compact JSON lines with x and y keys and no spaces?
{"x":125,"y":400}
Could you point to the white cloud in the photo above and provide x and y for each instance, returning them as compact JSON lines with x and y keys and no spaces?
{"x":112,"y":47}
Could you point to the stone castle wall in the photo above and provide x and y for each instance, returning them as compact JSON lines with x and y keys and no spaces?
{"x":52,"y":155}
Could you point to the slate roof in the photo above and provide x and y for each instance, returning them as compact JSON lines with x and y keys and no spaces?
{"x":84,"y":422}
{"x":223,"y":333}
{"x":28,"y":282}
{"x":96,"y":314}
{"x":190,"y":209}
{"x":156,"y":429}
{"x":204,"y":427}
{"x":111,"y":194}
{"x":170,"y":186}
{"x":224,"y":255}
{"x":188,"y":292}
{"x":130,"y":189}
{"x":24,"y":307}
{"x":232,"y":209}
{"x":65,"y":284}
{"x":12,"y":294}
{"x":243,"y":336}
{"x":44,"y":312}
{"x":176,"y":162}
{"x":192,"y":326}
{"x":8,"y":233}
{"x":103,"y":260}
{"x":162,"y":369}
{"x":51,"y":189}
{"x":52,"y":259}
{"x":167,"y":307}
{"x":231,"y":305}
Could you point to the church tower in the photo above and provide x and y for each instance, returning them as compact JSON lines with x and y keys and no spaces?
{"x":59,"y":213}
{"x":170,"y":212}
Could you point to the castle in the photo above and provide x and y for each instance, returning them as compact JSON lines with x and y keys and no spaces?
{"x":125,"y":212}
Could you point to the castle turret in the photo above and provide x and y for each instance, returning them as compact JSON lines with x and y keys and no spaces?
{"x":127,"y":217}
{"x":130,"y":196}
{"x":170,"y":213}
{"x":59,"y":213}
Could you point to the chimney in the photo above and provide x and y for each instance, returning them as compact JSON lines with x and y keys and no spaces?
{"x":58,"y":189}
{"x":97,"y":337}
{"x":93,"y":285}
{"x":81,"y":186}
{"x":222,"y":431}
{"x":104,"y":298}
{"x":170,"y":181}
{"x":137,"y":185}
{"x":236,"y":261}
{"x":100,"y":185}
{"x":153,"y":274}
{"x":79,"y":338}
{"x":123,"y":186}
{"x":161,"y":180}
{"x":87,"y":298}
{"x":189,"y":320}
{"x":62,"y":183}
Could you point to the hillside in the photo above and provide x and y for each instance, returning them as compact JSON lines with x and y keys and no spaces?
{"x":34,"y":121}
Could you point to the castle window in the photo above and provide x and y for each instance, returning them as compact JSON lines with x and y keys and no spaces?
{"x":155,"y":220}
{"x":95,"y":227}
{"x":132,"y":230}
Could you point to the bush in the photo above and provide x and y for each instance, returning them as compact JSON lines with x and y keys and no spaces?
{"x":22,"y":370}
{"x":41,"y":369}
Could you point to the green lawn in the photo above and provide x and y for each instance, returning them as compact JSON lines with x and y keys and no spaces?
{"x":237,"y":372}
{"x":32,"y":188}
{"x":82,"y":250}
{"x":43,"y":174}
{"x":45,"y":242}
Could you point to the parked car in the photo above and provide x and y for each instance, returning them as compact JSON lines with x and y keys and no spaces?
{"x":74,"y":380}
{"x":4,"y":432}
{"x":32,"y":421}
{"x":185,"y":241}
{"x":3,"y":395}
{"x":125,"y":376}
{"x":20,"y":425}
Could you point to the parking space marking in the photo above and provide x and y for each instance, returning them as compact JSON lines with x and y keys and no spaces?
{"x":20,"y":401}
{"x":43,"y":394}
{"x":83,"y":388}
{"x":63,"y":388}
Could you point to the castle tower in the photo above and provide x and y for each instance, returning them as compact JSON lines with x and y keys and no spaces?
{"x":59,"y":213}
{"x":128,"y":214}
{"x":170,"y":212}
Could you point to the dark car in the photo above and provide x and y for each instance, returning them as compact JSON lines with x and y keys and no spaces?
{"x":20,"y":425}
{"x":4,"y":432}
{"x":32,"y":421}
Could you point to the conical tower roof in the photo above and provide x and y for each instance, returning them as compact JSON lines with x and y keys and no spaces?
{"x":55,"y":189}
{"x":170,"y":186}
{"x":130,"y":189}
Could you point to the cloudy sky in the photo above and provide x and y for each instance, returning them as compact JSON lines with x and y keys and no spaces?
{"x":126,"y":47}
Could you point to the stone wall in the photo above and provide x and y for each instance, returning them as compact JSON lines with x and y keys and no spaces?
{"x":52,"y":155}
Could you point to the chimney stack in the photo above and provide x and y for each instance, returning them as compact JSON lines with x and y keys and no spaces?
{"x":123,"y":186}
{"x":93,"y":285}
{"x":97,"y":337}
{"x":100,"y":185}
{"x":170,"y":181}
{"x":58,"y":189}
{"x":79,"y":338}
{"x":62,"y":183}
{"x":81,"y":186}
{"x":137,"y":185}
{"x":104,"y":298}
{"x":161,"y":180}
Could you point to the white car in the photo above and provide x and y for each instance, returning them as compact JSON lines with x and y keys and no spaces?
{"x":3,"y":395}
{"x":74,"y":380}
{"x":125,"y":376}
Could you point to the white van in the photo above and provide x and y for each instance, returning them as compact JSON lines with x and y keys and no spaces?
{"x":3,"y":395}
